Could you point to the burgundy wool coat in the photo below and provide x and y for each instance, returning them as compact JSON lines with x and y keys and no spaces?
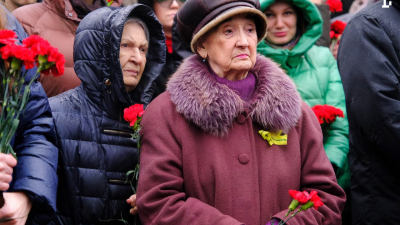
{"x":203,"y":161}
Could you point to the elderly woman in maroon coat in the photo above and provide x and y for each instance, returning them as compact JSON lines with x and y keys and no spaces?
{"x":203,"y":160}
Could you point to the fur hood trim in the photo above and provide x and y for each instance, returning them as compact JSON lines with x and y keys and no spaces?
{"x":212,"y":106}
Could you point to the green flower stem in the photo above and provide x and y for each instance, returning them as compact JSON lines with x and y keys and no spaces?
{"x":284,"y":222}
{"x":3,"y":122}
{"x":14,"y":102}
{"x":306,"y":206}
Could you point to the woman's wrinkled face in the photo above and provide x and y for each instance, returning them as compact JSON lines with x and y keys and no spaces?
{"x":132,"y":54}
{"x":231,"y":48}
{"x":165,"y":13}
{"x":282,"y":23}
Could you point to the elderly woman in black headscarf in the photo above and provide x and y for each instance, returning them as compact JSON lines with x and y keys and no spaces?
{"x":231,"y":136}
{"x":118,"y":53}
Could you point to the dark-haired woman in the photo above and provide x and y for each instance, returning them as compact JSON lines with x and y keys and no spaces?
{"x":165,"y":11}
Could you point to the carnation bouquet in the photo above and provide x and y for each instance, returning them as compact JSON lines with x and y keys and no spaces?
{"x":327,"y":114}
{"x":16,"y":60}
{"x":303,"y":201}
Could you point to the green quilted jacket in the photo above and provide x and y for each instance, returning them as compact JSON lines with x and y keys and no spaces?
{"x":315,"y":73}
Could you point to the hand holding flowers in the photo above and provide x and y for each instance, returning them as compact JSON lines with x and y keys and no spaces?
{"x":14,"y":88}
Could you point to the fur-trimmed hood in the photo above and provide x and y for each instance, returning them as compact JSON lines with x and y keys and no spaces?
{"x":212,"y":106}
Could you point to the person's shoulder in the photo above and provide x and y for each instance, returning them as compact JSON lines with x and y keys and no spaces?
{"x":375,"y":13}
{"x":377,"y":10}
{"x":69,"y":101}
{"x":30,"y":14}
{"x":162,"y":108}
{"x":31,"y":9}
{"x":375,"y":24}
{"x":161,"y":102}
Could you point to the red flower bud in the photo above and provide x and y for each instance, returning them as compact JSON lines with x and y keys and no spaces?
{"x":335,"y":5}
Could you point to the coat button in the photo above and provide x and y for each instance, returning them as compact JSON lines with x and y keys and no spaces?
{"x":241,"y":119}
{"x":107,"y":82}
{"x":70,"y":14}
{"x":243,"y":158}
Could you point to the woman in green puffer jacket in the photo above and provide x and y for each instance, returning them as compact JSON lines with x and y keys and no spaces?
{"x":293,"y":28}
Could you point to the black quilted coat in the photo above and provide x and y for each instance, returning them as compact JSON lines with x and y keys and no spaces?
{"x":96,"y":148}
{"x":369,"y":64}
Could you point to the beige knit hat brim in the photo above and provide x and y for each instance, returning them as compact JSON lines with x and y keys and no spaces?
{"x":227,"y":14}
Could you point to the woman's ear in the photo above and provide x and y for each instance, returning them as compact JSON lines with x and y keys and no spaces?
{"x":201,"y":49}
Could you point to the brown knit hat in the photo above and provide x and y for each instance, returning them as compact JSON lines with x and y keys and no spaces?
{"x":196,"y":17}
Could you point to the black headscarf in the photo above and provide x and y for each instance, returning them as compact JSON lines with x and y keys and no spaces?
{"x":82,"y":9}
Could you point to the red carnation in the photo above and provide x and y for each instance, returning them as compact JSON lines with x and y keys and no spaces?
{"x":337,"y":29}
{"x":54,"y":62}
{"x":132,"y":113}
{"x":316,"y":200}
{"x":59,"y":68}
{"x":37,"y":44}
{"x":19,"y":52}
{"x":301,"y":197}
{"x":335,"y":5}
{"x":327,"y":114}
{"x":7,"y":37}
{"x":338,"y":26}
{"x":306,"y":201}
{"x":33,"y":40}
{"x":58,"y":59}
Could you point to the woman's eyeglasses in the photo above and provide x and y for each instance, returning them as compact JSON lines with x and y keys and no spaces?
{"x":168,"y":3}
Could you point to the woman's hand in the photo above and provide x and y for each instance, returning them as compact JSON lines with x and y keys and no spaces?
{"x":132,"y":201}
{"x":7,"y":162}
{"x":273,"y":222}
{"x":16,"y":208}
{"x":335,"y":50}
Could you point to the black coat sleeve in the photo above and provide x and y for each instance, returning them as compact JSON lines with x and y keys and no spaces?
{"x":370,"y":70}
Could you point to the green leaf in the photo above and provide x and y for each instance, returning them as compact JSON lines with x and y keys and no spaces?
{"x":127,"y":175}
